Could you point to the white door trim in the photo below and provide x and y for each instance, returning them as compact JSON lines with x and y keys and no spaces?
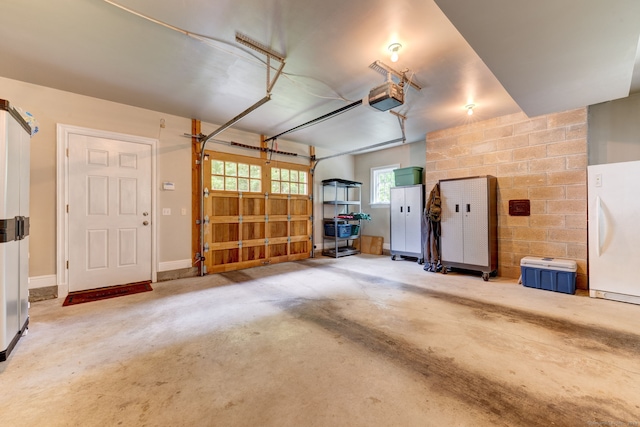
{"x":62,"y":196}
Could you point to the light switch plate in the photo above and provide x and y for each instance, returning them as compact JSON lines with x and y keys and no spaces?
{"x":166,"y":211}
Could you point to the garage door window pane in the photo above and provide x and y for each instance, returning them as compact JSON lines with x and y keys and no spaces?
{"x":243,"y":184}
{"x":217,"y":182}
{"x":230,"y":184}
{"x":217,"y":167}
{"x":230,"y":168}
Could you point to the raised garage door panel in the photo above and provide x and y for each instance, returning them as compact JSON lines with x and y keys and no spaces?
{"x":256,"y":226}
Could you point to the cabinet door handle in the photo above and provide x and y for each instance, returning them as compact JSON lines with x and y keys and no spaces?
{"x":457,"y":208}
{"x":19,"y":227}
{"x":400,"y":209}
{"x":468,"y":207}
{"x":408,"y":209}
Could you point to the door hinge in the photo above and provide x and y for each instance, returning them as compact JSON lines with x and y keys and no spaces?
{"x":67,"y":151}
{"x":67,"y":265}
{"x":67,"y":208}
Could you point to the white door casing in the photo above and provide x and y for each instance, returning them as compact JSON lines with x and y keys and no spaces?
{"x":108,"y":236}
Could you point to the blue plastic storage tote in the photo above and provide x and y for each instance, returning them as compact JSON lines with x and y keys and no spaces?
{"x":552,"y":274}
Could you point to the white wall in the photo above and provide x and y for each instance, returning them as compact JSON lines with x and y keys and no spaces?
{"x":405,"y":155}
{"x":614,"y":131}
{"x":50,"y":107}
{"x":338,"y":167}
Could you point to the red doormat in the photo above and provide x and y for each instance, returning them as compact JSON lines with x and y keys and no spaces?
{"x":104,"y":293}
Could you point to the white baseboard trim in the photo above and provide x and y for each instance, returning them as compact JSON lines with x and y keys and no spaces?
{"x":174,"y":265}
{"x":42,"y":281}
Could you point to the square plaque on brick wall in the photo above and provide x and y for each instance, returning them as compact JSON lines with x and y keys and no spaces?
{"x":519,"y":207}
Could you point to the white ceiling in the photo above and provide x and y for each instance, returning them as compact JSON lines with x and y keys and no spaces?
{"x":548,"y":55}
{"x":553,"y":55}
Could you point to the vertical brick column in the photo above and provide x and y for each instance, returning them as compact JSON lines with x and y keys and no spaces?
{"x":543,"y":159}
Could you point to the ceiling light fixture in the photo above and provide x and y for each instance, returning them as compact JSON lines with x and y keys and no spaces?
{"x":394,"y":48}
{"x":470,"y":108}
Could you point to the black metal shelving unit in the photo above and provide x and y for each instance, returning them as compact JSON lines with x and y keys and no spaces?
{"x":340,"y":197}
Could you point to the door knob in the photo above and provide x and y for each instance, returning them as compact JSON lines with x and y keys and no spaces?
{"x":145,"y":223}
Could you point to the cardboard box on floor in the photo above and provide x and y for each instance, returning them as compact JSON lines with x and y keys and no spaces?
{"x":370,"y":245}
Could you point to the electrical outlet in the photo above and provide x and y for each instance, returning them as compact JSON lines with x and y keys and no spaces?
{"x":166,"y":211}
{"x":598,"y":180}
{"x":183,"y":211}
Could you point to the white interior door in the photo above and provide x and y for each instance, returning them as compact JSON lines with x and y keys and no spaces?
{"x":109,"y":212}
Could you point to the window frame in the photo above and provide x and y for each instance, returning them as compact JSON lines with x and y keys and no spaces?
{"x":236,"y":175}
{"x":299,"y":171}
{"x":375,"y":184}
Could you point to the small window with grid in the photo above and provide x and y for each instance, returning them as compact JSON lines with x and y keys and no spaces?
{"x":382,"y":179}
{"x":289,"y":181}
{"x":234,"y":176}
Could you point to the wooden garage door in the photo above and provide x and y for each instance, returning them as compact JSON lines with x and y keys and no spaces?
{"x":256,"y":213}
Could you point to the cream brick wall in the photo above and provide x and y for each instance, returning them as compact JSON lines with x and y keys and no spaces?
{"x":543,"y":159}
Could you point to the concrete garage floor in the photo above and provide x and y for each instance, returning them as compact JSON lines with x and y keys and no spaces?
{"x":358,"y":341}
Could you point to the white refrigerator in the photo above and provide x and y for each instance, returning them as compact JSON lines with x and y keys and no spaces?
{"x":614,"y":231}
{"x":15,"y":137}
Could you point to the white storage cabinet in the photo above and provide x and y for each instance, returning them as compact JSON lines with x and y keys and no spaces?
{"x":15,"y":136}
{"x":469,"y":224}
{"x":407,"y":204}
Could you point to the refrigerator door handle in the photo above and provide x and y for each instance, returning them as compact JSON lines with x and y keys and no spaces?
{"x":599,"y":219}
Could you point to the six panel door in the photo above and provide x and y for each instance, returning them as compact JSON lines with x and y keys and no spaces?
{"x":109,"y":212}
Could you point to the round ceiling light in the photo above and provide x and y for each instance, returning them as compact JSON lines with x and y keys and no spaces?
{"x":470,"y":108}
{"x":394,"y":48}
